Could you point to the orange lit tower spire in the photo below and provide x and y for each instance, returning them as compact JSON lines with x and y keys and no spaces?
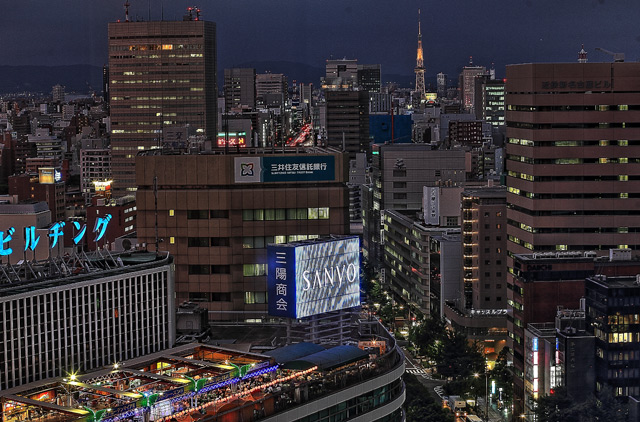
{"x":419,"y":69}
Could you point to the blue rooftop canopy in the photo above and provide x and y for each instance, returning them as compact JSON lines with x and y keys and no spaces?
{"x":329,"y":359}
{"x":292,"y":352}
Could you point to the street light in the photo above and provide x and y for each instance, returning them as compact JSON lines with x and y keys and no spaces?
{"x":486,"y":394}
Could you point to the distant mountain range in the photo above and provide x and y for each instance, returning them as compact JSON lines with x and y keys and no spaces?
{"x":83,"y":78}
{"x":76,"y":78}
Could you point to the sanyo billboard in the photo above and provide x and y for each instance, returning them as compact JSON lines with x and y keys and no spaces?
{"x":312,"y":277}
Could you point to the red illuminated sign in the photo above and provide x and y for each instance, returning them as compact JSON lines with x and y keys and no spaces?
{"x":234,"y":139}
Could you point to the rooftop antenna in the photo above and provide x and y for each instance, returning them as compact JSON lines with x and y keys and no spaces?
{"x":195,"y":9}
{"x":126,"y":10}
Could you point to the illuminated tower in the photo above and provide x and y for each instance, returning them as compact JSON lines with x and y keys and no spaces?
{"x":419,"y":64}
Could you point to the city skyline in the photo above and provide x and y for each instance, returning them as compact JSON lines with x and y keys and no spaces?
{"x":309,"y":33}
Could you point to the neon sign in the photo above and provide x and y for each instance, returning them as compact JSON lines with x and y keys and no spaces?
{"x":55,"y":231}
{"x":232,"y":139}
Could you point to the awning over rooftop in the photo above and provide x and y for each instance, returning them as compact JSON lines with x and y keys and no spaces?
{"x":295,"y":351}
{"x":329,"y":359}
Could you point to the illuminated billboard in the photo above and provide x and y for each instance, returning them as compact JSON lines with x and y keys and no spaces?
{"x":49,"y":175}
{"x":235,"y":139}
{"x":298,"y":168}
{"x":310,"y":278}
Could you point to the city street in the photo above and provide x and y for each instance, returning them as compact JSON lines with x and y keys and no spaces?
{"x":414,"y":367}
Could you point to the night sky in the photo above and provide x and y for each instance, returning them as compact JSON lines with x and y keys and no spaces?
{"x":45,"y":32}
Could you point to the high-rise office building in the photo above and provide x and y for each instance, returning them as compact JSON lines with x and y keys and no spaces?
{"x":441,"y":84}
{"x":239,"y":89}
{"x":489,"y":100}
{"x":162,"y":75}
{"x":484,"y":241}
{"x":95,"y":165}
{"x":419,"y":260}
{"x":466,"y":84}
{"x":340,"y":74}
{"x":572,"y":156}
{"x":369,"y":77}
{"x":348,"y":120}
{"x":271,"y":83}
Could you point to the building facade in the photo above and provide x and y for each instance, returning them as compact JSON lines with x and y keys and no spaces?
{"x":369,"y":77}
{"x":572,"y":156}
{"x":489,"y":100}
{"x":572,"y":171}
{"x":467,"y":85}
{"x":219,"y":217}
{"x":239,"y":89}
{"x":399,"y":174}
{"x":612,"y":317}
{"x":272,"y":83}
{"x":59,"y":325}
{"x":484,"y":241}
{"x":162,"y":75}
{"x":95,"y":166}
{"x":348,"y":121}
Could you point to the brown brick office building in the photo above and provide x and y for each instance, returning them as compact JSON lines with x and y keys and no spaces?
{"x":216,"y":214}
{"x":573,"y":156}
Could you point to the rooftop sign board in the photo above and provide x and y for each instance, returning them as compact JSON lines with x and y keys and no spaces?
{"x":306,"y":279}
{"x":298,"y":168}
{"x":232,"y":139}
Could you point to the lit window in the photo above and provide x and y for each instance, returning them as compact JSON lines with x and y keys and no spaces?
{"x":172,"y":240}
{"x":172,"y":213}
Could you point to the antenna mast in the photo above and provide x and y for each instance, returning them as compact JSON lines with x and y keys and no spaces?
{"x":126,"y":11}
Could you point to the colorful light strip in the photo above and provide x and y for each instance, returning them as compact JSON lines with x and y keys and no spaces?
{"x":235,"y":396}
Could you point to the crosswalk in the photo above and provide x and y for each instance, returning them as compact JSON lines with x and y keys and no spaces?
{"x":418,"y":372}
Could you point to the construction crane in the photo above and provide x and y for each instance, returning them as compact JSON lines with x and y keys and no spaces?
{"x":617,"y":57}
